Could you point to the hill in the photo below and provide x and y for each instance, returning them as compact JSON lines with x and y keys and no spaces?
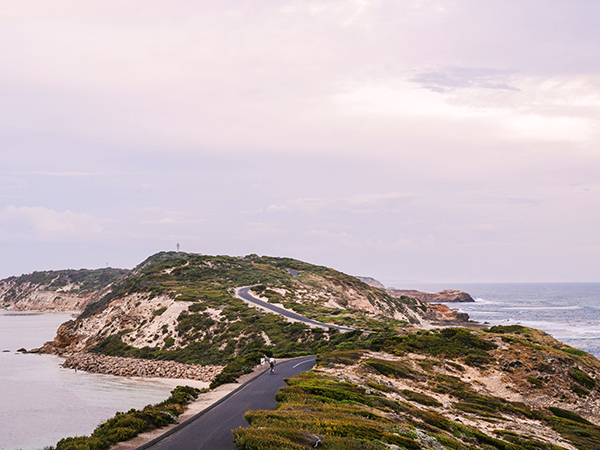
{"x":407,"y":377}
{"x":183,"y":307}
{"x":506,"y":388}
{"x":57,"y":290}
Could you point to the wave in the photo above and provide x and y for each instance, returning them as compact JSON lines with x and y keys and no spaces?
{"x":534,"y":308}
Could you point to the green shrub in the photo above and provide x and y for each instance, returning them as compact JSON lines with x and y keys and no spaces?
{"x":583,"y":378}
{"x":124,"y":426}
{"x":159,"y":311}
{"x":535,"y":382}
{"x":237,"y":367}
{"x":82,"y":443}
{"x":581,"y":392}
{"x":515,"y":329}
{"x":394,"y":369}
{"x":570,"y":415}
{"x":573,"y":351}
{"x":169,"y":341}
{"x":343,"y":357}
{"x":581,"y":433}
{"x":423,"y":399}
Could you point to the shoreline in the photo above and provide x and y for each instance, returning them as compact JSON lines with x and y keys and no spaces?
{"x":204,"y":401}
{"x":135,"y":367}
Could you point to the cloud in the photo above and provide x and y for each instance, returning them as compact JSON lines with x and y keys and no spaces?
{"x":380,"y":244}
{"x":172,"y":221}
{"x":278,"y":208}
{"x":63,"y":174}
{"x":43,"y":224}
{"x":348,"y":240}
{"x":451,"y":78}
{"x":10,"y":186}
{"x":256,"y":229}
{"x":550,"y":129}
{"x":359,"y":203}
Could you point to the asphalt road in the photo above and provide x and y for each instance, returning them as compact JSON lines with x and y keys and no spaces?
{"x":245,"y":294}
{"x":211,"y":428}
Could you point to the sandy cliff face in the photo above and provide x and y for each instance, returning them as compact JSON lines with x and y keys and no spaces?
{"x":140,"y":321}
{"x":32,"y":297}
{"x":65,"y":290}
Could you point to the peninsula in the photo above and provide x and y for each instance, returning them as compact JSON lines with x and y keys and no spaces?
{"x":393,"y":370}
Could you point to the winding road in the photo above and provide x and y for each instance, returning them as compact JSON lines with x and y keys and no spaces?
{"x":244,"y":293}
{"x":211,"y":429}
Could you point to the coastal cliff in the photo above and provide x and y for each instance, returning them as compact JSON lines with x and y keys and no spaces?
{"x":446,"y":296}
{"x":57,"y":290}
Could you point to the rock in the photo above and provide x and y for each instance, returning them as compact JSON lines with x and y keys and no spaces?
{"x":372,"y":282}
{"x":446,"y":296}
{"x":22,"y":350}
{"x":114,"y":365}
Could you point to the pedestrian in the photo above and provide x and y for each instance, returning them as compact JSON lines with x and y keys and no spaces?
{"x":272,"y":364}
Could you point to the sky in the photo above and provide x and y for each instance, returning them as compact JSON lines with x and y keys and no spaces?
{"x":411,"y":141}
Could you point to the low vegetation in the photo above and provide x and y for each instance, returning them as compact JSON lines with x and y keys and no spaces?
{"x":415,"y":392}
{"x":125,"y":426}
{"x":213,"y":326}
{"x":392,"y":387}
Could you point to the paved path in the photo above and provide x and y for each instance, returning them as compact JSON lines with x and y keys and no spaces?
{"x":211,"y":428}
{"x":245,"y":294}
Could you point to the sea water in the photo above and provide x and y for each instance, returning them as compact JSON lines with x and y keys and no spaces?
{"x":570,"y":312}
{"x":41,"y":403}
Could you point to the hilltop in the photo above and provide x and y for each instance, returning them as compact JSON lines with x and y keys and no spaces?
{"x":183,"y":307}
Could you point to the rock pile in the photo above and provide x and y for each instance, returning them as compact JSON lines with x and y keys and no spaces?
{"x":129,"y":367}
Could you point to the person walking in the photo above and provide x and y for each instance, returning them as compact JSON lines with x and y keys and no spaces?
{"x":272,"y":364}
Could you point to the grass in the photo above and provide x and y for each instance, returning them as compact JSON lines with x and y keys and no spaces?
{"x":581,"y":433}
{"x":583,"y":379}
{"x":317,"y":407}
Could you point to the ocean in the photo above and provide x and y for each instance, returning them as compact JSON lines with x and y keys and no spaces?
{"x":570,"y":312}
{"x":41,"y":403}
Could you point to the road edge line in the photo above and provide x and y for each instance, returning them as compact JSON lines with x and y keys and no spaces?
{"x":173,"y":430}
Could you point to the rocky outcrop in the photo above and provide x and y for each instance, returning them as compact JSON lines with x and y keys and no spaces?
{"x":444,"y":314}
{"x":129,"y":367}
{"x":446,"y":296}
{"x":372,"y":282}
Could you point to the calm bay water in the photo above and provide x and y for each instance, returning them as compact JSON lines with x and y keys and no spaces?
{"x":570,"y":312}
{"x":41,"y":403}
